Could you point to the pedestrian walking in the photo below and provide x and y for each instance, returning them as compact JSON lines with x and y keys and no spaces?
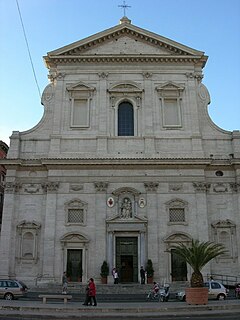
{"x":142,"y":275}
{"x":64,"y":283}
{"x":92,"y":293}
{"x":116,"y":277}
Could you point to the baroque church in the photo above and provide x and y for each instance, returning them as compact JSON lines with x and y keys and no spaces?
{"x":124,"y":164}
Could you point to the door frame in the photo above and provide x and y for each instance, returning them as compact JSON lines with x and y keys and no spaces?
{"x":128,"y":235}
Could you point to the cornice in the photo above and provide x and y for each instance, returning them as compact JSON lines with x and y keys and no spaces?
{"x":68,"y":163}
{"x":62,"y":59}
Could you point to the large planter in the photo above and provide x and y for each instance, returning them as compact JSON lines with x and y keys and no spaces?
{"x":104,"y":280}
{"x":197,"y":295}
{"x":149,"y":279}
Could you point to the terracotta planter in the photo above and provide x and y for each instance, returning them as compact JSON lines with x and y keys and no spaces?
{"x":197,"y":295}
{"x":150,"y":280}
{"x":104,"y":280}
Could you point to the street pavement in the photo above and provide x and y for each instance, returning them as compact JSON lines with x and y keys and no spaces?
{"x":106,"y":310}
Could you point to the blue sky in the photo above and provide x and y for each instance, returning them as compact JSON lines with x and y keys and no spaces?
{"x":212,"y":26}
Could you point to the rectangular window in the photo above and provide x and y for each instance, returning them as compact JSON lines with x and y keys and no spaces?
{"x":80,"y":113}
{"x":176,"y":215}
{"x":171,"y":113}
{"x":75,"y":216}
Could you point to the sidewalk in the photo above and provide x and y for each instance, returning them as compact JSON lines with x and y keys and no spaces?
{"x":105,"y":310}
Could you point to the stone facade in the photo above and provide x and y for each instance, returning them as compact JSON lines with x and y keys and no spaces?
{"x":124,"y":164}
{"x":3,"y":154}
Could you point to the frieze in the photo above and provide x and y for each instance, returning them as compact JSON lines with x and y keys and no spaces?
{"x":151,"y":186}
{"x":175,"y":187}
{"x":101,"y":186}
{"x":75,"y":187}
{"x":32,"y":188}
{"x":201,"y":186}
{"x":220,"y":188}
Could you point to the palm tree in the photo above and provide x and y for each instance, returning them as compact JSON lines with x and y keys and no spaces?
{"x":197,"y":256}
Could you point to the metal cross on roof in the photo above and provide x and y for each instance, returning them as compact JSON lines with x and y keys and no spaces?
{"x":124,"y":6}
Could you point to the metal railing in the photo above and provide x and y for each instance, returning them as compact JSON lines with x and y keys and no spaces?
{"x":226,"y":280}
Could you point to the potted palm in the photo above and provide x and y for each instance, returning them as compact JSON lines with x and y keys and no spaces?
{"x":149,"y":271}
{"x":197,"y":256}
{"x":104,"y":272}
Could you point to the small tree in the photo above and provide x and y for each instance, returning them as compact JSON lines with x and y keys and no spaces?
{"x":149,"y":268}
{"x":197,"y":256}
{"x":104,"y":269}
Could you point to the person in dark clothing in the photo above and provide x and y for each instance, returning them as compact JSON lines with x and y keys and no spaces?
{"x":142,"y":275}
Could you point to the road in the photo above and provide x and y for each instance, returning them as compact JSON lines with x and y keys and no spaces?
{"x":229,"y":316}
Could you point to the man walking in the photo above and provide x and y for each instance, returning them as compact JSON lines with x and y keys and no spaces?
{"x":142,"y":275}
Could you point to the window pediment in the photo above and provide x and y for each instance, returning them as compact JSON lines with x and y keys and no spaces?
{"x":223,"y":224}
{"x":74,"y":237}
{"x":80,"y":89}
{"x":170,"y":89}
{"x":127,"y":87}
{"x":176,"y":203}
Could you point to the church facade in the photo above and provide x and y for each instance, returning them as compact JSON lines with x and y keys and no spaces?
{"x":124,"y":164}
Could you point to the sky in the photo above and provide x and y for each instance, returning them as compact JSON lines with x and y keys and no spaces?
{"x":212,"y":26}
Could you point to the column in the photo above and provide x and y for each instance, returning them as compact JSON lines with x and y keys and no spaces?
{"x":8,"y":233}
{"x":50,"y":231}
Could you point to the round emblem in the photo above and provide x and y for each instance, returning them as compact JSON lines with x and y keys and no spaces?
{"x":110,"y":202}
{"x":142,"y":202}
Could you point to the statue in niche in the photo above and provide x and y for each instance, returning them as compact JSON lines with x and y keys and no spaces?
{"x":126,"y":208}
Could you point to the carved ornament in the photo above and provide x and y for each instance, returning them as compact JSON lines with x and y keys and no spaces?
{"x":101,"y":186}
{"x":151,"y":186}
{"x":201,"y":186}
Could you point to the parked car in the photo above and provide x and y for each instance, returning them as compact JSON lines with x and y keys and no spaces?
{"x":216,"y":290}
{"x":12,"y":289}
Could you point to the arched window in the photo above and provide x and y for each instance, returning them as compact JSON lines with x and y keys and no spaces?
{"x":125,"y":119}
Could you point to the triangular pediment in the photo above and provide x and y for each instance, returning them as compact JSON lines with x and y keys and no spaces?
{"x":80,"y":86}
{"x":125,"y":39}
{"x":118,"y":219}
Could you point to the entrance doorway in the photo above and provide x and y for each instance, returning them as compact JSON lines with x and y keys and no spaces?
{"x":127,"y":259}
{"x":178,"y":267}
{"x":74,"y":264}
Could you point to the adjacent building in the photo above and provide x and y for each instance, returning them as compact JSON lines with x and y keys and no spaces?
{"x":124,"y":164}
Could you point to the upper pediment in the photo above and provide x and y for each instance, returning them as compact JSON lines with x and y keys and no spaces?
{"x":124,"y":40}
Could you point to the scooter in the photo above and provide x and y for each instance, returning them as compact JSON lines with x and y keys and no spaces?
{"x":164,"y":293}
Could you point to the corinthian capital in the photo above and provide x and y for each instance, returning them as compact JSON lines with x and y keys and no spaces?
{"x":151,"y":186}
{"x":50,"y":186}
{"x":12,"y":187}
{"x":201,"y":186}
{"x":101,"y":186}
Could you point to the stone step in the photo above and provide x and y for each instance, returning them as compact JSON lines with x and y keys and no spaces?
{"x":111,"y":289}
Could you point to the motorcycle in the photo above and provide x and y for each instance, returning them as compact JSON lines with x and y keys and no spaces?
{"x":162,"y":294}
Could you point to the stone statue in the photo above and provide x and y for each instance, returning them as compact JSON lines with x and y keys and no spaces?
{"x":126,"y":208}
